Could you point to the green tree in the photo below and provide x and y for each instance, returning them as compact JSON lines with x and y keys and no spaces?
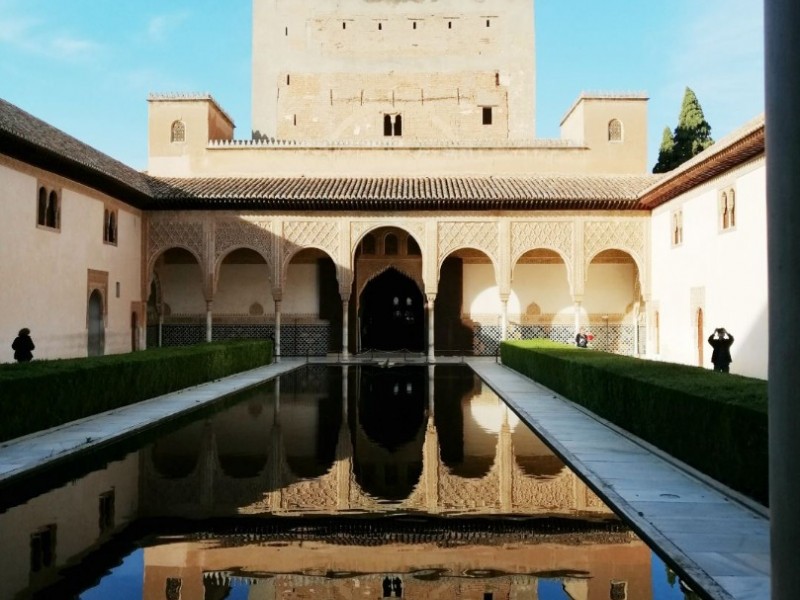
{"x":692,"y":136}
{"x":665,"y":153}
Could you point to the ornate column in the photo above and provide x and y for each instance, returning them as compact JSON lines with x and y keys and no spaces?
{"x":783,"y":246}
{"x":429,"y":309}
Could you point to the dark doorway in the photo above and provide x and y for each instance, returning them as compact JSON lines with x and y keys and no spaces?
{"x":97,"y":328}
{"x":392,"y":313}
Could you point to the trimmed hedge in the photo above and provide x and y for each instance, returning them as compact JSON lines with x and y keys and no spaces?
{"x":42,"y":394}
{"x":715,"y":422}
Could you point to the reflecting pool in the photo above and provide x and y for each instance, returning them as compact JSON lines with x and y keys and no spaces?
{"x":368,"y":481}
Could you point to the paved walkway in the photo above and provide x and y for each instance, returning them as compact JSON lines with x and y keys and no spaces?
{"x":715,"y":542}
{"x":42,"y":448}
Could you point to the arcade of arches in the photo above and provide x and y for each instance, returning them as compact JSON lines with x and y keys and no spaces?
{"x":432,"y":284}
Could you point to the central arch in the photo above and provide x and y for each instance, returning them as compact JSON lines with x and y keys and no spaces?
{"x":392,"y":313}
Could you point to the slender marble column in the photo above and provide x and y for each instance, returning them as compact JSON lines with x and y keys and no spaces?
{"x":782,"y":45}
{"x":209,"y":322}
{"x":429,"y":309}
{"x":160,"y":329}
{"x":345,"y":328}
{"x":504,"y":318}
{"x":277,"y":330}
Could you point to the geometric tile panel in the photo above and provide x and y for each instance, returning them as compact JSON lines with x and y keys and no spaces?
{"x":617,"y":339}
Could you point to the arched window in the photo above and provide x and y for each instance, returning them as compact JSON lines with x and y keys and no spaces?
{"x":52,"y":216}
{"x":178,"y":132}
{"x":614,"y":130}
{"x":398,"y":125}
{"x":105,"y":225}
{"x":390,"y":244}
{"x":732,"y":207}
{"x":725,"y":214}
{"x":387,"y":125}
{"x":41,"y":212}
{"x":677,"y":228}
{"x":368,"y":244}
{"x":112,"y":228}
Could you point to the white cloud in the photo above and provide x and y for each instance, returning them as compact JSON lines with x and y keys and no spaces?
{"x":159,"y":27}
{"x":34,"y":36}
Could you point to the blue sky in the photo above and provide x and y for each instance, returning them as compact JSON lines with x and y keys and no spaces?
{"x":87,"y":66}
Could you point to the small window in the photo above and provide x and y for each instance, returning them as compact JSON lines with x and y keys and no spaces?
{"x":288,"y":79}
{"x":449,"y":24}
{"x":414,"y":25}
{"x":48,"y":208}
{"x":380,"y":26}
{"x":727,"y":209}
{"x":487,"y":115}
{"x":488,"y":23}
{"x":178,"y":132}
{"x":106,"y":506}
{"x":390,"y":245}
{"x":294,"y":120}
{"x":344,"y":25}
{"x":110,"y":226}
{"x":43,"y":549}
{"x":615,"y":130}
{"x":618,"y":591}
{"x":677,"y":228}
{"x":173,"y":588}
{"x":119,"y":289}
{"x":286,"y":31}
{"x":368,"y":244}
{"x":392,"y":125}
{"x":41,"y":212}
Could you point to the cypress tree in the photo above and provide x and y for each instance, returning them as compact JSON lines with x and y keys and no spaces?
{"x":692,"y":136}
{"x":665,"y":153}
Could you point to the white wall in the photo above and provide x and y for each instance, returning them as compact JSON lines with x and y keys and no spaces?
{"x":546,"y":285}
{"x":44,"y":272}
{"x":727,"y":269}
{"x":240,"y":286}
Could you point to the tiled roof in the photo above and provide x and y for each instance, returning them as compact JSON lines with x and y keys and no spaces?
{"x":743,"y":144}
{"x":409,"y":193}
{"x":27,"y":138}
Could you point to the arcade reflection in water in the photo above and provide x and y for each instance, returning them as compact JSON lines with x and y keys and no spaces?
{"x":266,"y":483}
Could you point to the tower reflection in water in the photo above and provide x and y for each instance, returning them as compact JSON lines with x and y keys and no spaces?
{"x":362,"y":481}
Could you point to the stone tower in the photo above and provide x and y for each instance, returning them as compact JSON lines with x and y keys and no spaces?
{"x":370,"y":70}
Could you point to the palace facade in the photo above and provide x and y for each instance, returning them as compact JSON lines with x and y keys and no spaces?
{"x":391,"y":196}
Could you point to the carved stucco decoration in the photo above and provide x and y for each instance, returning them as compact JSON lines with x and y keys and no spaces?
{"x":551,"y":235}
{"x":298,"y":235}
{"x":621,"y":235}
{"x":175,"y":233}
{"x":234,"y":234}
{"x":454,"y":235}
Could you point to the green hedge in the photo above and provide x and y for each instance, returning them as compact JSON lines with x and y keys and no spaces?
{"x":715,"y":422}
{"x":42,"y":394}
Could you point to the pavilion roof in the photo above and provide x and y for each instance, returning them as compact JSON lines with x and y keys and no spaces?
{"x":543,"y":192}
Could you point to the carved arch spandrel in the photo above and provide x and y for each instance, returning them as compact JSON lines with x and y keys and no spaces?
{"x":164,"y":234}
{"x":237,"y":234}
{"x":629,"y":236}
{"x":557,"y":236}
{"x":454,"y":235}
{"x":358,"y":229}
{"x":302,"y":235}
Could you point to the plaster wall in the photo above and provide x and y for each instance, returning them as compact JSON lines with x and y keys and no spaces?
{"x":301,"y":292}
{"x":182,"y":289}
{"x":546,"y":285}
{"x":609,"y":288}
{"x":45,"y":271}
{"x":242,"y":285}
{"x":411,"y":39}
{"x":722,"y":272}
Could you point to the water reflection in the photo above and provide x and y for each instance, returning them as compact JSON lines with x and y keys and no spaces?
{"x":411,"y":444}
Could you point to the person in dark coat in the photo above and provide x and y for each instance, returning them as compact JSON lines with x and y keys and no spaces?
{"x":721,"y":341}
{"x":23,"y":346}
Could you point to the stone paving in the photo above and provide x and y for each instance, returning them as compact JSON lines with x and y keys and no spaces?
{"x":715,"y":539}
{"x":25,"y":454}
